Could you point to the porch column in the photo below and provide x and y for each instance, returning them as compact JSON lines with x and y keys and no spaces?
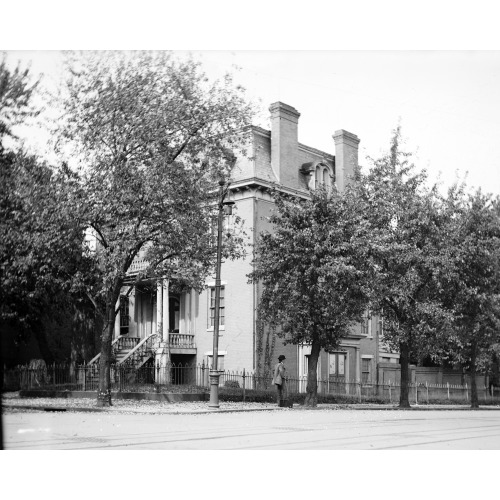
{"x":166,"y":314}
{"x":132,"y":326}
{"x":162,"y":355}
{"x":159,"y":308}
{"x":193,"y":312}
{"x":188,"y":313}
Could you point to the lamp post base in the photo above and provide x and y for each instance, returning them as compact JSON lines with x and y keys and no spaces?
{"x":214,"y":389}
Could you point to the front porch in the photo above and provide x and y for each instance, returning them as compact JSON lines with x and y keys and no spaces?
{"x":154,"y":311}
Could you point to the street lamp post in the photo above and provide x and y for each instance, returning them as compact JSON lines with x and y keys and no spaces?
{"x":214,"y":372}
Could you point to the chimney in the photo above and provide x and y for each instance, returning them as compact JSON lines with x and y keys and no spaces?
{"x":346,"y":157}
{"x":284,"y":143}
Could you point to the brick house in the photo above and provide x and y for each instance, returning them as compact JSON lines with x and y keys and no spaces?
{"x":183,"y":323}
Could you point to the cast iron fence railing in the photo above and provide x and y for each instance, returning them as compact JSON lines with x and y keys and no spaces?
{"x":150,"y":377}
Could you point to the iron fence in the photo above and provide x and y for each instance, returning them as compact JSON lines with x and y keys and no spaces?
{"x":150,"y":377}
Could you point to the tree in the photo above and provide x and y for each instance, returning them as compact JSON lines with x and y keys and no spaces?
{"x":474,"y":286}
{"x":16,"y":97}
{"x":38,"y":247}
{"x":314,"y":272}
{"x":408,"y":245}
{"x":152,"y":137}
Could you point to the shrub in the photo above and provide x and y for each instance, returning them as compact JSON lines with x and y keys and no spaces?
{"x":232,"y":384}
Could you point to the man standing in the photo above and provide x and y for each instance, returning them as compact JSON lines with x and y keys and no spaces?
{"x":279,"y":378}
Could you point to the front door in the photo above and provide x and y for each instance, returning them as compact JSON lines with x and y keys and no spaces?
{"x":336,"y":372}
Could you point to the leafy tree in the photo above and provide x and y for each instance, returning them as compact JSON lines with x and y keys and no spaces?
{"x":408,"y":245}
{"x":16,"y":97}
{"x":151,"y":136}
{"x":314,"y":272}
{"x":474,"y":286}
{"x":38,"y":247}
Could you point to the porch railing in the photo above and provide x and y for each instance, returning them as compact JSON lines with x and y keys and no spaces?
{"x":182,"y":341}
{"x":138,"y":265}
{"x":120,"y":343}
{"x":140,"y":353}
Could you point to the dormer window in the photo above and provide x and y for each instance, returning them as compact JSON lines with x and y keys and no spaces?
{"x":323,"y":176}
{"x":319,"y":173}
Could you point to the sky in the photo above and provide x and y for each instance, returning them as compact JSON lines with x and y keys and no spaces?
{"x":447,"y":102}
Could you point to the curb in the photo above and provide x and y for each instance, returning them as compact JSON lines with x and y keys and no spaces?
{"x":115,"y":409}
{"x":56,"y":409}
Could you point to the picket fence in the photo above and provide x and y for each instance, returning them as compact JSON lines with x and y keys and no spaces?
{"x":150,"y":378}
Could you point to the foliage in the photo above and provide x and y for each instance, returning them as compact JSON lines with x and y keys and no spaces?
{"x":408,"y":246}
{"x":39,"y":247}
{"x":233,"y":384}
{"x":16,"y":97}
{"x":151,"y":138}
{"x":473,"y":289}
{"x":313,"y":272}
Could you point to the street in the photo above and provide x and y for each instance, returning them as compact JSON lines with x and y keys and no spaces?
{"x":262,"y":430}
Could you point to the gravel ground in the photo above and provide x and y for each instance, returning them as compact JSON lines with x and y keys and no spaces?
{"x":11,"y":403}
{"x":10,"y":399}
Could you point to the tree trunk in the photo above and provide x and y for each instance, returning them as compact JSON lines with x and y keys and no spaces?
{"x":104,"y":391}
{"x":404,"y":360}
{"x":474,"y":400}
{"x":312,"y":376}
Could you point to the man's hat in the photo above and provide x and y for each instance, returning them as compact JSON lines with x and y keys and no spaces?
{"x":281,"y":357}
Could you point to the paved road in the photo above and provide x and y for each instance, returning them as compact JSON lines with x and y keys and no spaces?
{"x":278,"y":430}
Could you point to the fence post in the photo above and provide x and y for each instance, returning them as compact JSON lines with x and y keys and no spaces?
{"x":53,"y":374}
{"x":416,"y":393}
{"x":466,"y":392}
{"x":243,"y":384}
{"x":390,"y":394}
{"x":84,"y":376}
{"x":427,"y":390}
{"x":448,"y":387}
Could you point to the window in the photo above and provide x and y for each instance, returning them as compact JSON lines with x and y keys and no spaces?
{"x":317,"y":177}
{"x":221,"y":307}
{"x":173,"y":314}
{"x":306,"y":364}
{"x":366,"y":324}
{"x":124,"y":315}
{"x":322,"y":176}
{"x":365,"y":370}
{"x":336,"y":362}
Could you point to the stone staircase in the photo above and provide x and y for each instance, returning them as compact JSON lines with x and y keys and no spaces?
{"x":129,"y":353}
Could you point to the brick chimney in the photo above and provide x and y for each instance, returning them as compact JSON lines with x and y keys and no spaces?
{"x":284,"y":143}
{"x":346,"y":156}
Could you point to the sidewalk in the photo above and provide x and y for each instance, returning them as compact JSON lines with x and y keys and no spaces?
{"x":13,"y":403}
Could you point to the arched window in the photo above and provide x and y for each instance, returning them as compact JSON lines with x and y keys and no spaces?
{"x":318,"y":173}
{"x":322,"y":176}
